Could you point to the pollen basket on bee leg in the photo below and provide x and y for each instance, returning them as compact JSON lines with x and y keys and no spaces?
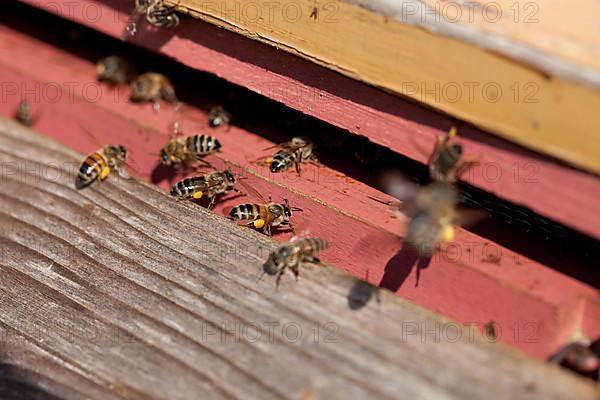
{"x":104,"y":173}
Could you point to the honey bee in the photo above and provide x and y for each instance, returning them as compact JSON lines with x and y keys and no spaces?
{"x":289,"y":256}
{"x":115,"y":70}
{"x":99,"y":164}
{"x":23,"y":115}
{"x":445,"y":162}
{"x":209,"y":185}
{"x":156,"y":14}
{"x":218,"y":116}
{"x":152,"y":87}
{"x":162,"y":16}
{"x":294,"y":152}
{"x":264,"y":216}
{"x":434,"y":213}
{"x":185,"y":150}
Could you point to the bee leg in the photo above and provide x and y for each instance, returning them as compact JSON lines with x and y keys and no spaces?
{"x":298,"y":168}
{"x":278,"y":279}
{"x":213,"y":200}
{"x":267,"y":229}
{"x":296,"y":272}
{"x":104,"y":174}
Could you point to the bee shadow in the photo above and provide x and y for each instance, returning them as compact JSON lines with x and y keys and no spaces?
{"x":361,"y":294}
{"x":399,"y":267}
{"x":162,"y":173}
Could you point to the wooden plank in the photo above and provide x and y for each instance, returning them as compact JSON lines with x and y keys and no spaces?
{"x":335,"y":205}
{"x":489,"y":90}
{"x":536,"y":34}
{"x":134,"y":290}
{"x":517,"y":175}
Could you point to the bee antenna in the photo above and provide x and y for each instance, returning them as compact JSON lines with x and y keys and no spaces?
{"x":296,"y":209}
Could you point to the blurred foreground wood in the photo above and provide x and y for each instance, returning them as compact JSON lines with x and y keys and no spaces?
{"x":119,"y":292}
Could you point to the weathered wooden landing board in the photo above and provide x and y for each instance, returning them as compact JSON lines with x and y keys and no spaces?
{"x":119,"y":292}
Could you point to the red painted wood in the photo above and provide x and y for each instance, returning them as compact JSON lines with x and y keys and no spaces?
{"x":363,"y":233}
{"x":515,"y":174}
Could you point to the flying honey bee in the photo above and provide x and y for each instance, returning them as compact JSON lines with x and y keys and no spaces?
{"x":294,"y":152}
{"x":209,"y":185}
{"x":24,"y":115}
{"x":152,"y":87}
{"x":291,"y":255}
{"x":218,"y":116}
{"x":188,"y":149}
{"x":115,"y":70}
{"x":264,"y":216}
{"x":156,"y":14}
{"x":433,"y":210}
{"x":99,"y":164}
{"x":445,"y":163}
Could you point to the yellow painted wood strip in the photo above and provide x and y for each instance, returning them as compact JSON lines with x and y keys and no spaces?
{"x":509,"y":98}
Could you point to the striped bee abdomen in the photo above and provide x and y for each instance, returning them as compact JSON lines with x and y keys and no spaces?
{"x":90,"y":168}
{"x":317,"y":244}
{"x":202,"y":144}
{"x":245,"y":212}
{"x":282,"y":161}
{"x":185,"y":187}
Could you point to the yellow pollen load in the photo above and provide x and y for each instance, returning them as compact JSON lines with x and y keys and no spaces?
{"x":452,"y":132}
{"x":104,"y":173}
{"x":269,"y":160}
{"x":448,"y":233}
{"x":197,"y":195}
{"x":259,"y":223}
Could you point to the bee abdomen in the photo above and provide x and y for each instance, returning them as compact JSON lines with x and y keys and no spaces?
{"x":316,"y":244}
{"x":245,"y":211}
{"x":90,"y":168}
{"x":184,"y":188}
{"x":203,"y":144}
{"x":281,"y":161}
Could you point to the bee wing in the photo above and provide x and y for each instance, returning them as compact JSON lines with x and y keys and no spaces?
{"x":469,"y":216}
{"x":301,"y":231}
{"x":247,"y":187}
{"x":128,"y":170}
{"x":399,"y":186}
{"x":202,"y":183}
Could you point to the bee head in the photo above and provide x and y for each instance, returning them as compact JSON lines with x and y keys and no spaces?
{"x":276,"y":260}
{"x":122,"y":152}
{"x":164,"y":157}
{"x":138,"y":88}
{"x":457,"y":148}
{"x":230,"y":177}
{"x":214,"y":122}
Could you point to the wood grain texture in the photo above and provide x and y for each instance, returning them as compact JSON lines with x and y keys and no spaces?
{"x":336,"y":206}
{"x":387,"y":120}
{"x":120,"y":289}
